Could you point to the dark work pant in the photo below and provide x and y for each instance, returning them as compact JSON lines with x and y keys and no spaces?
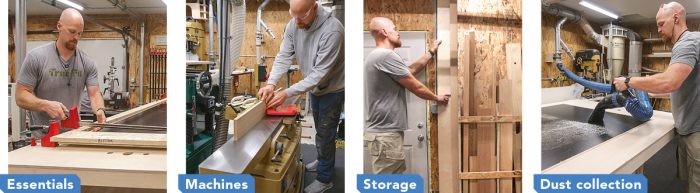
{"x":326,"y":110}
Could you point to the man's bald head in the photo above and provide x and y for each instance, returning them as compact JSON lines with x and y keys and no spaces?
{"x":70,"y":28}
{"x":71,"y":16}
{"x":384,"y":32}
{"x":377,"y":24}
{"x":303,"y":12}
{"x":670,"y":21}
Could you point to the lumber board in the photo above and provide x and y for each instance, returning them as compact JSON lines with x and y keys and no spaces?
{"x":82,"y":136}
{"x":491,"y":119}
{"x":246,"y":120}
{"x":96,"y":166}
{"x":506,"y":133}
{"x":448,"y":133}
{"x":491,"y":175}
{"x":514,"y":60}
{"x":468,"y":106}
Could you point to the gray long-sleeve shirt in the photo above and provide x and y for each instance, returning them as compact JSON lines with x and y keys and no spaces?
{"x":320,"y":52}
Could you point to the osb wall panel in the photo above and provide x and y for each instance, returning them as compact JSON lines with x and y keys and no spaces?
{"x":575,"y":39}
{"x":495,"y":23}
{"x":48,"y":22}
{"x":414,"y":16}
{"x":276,"y":16}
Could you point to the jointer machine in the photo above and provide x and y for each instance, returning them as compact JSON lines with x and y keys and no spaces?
{"x":264,"y":143}
{"x":128,"y":152}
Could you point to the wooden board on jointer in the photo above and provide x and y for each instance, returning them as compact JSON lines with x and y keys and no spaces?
{"x":514,"y":60}
{"x":82,"y":136}
{"x":448,"y":132}
{"x":246,"y":120}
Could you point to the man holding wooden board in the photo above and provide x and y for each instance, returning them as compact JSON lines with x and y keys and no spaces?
{"x":315,"y":39}
{"x":386,"y":78}
{"x":53,"y":76}
{"x":682,"y":81}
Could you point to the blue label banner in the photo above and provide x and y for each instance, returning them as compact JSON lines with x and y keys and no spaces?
{"x":213,"y":183}
{"x":385,"y":183}
{"x":586,"y":183}
{"x":39,"y":183}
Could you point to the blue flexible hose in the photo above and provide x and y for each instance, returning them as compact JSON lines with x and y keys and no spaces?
{"x":638,"y":105}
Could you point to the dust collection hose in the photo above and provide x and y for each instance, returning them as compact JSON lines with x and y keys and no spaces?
{"x":636,"y":104}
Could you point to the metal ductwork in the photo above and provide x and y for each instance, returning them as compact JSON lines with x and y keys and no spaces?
{"x":576,"y":17}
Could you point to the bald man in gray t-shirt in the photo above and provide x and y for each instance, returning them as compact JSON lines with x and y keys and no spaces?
{"x":682,"y":81}
{"x":52,"y":76}
{"x":386,"y":78}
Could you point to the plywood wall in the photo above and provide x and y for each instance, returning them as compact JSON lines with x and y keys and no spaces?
{"x":415,"y":16}
{"x":155,"y":26}
{"x":575,"y":39}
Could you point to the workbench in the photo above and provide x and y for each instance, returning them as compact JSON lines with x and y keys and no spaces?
{"x":622,"y":145}
{"x":102,"y":164}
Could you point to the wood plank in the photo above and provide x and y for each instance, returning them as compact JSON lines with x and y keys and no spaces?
{"x":485,"y":103}
{"x":448,"y":146}
{"x":246,"y":120}
{"x":490,"y":119}
{"x":96,"y":166}
{"x":468,"y":106}
{"x":506,"y":133}
{"x":514,"y":60}
{"x":491,"y":175}
{"x":82,"y":136}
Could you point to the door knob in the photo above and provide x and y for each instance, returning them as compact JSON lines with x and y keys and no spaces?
{"x":421,"y":137}
{"x":420,"y":125}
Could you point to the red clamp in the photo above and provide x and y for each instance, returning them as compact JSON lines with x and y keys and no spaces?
{"x":54,"y":129}
{"x":73,"y":120}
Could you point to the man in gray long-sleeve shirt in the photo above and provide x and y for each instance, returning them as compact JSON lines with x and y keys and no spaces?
{"x":682,"y":81}
{"x":315,"y":39}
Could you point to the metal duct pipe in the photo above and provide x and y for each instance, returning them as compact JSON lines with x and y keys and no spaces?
{"x":635,"y":55}
{"x":20,"y":52}
{"x":557,"y":40}
{"x":576,"y":17}
{"x":211,"y":31}
{"x":262,"y":68}
{"x":143,"y":29}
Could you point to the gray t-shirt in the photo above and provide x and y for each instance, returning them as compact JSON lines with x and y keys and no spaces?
{"x":685,"y":102}
{"x":44,"y":71}
{"x":385,"y":98}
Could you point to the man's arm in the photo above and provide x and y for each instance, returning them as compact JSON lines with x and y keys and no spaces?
{"x":26,"y":99}
{"x":284,"y":57}
{"x":331,"y":48}
{"x":97,"y":103}
{"x":665,"y":82}
{"x":416,"y":87}
{"x":423,"y":61}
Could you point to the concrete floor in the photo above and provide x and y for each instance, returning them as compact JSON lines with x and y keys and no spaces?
{"x":308,"y":155}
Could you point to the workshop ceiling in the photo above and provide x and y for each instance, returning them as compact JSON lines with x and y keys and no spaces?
{"x":631,"y":12}
{"x":38,"y":7}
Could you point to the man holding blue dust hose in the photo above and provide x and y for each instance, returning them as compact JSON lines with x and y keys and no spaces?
{"x":682,"y":81}
{"x":315,"y":39}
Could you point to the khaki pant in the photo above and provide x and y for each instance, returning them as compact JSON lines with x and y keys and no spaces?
{"x":689,"y":161}
{"x":386,"y":152}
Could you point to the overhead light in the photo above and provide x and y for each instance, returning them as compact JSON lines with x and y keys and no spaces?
{"x":72,"y":4}
{"x":598,"y":9}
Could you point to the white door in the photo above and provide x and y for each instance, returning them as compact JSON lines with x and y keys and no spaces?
{"x":415,"y":137}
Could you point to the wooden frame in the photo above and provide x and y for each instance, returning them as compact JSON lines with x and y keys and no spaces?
{"x":81,"y":136}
